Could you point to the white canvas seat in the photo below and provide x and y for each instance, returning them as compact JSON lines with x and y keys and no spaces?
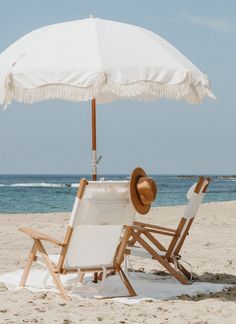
{"x":92,"y":241}
{"x":147,"y":236}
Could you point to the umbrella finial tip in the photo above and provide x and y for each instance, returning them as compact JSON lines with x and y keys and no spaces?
{"x":91,"y":16}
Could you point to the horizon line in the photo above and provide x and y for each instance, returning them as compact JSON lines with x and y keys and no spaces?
{"x":114,"y":174}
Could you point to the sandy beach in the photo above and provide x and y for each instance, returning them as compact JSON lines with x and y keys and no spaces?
{"x":210,"y":248}
{"x":134,"y":100}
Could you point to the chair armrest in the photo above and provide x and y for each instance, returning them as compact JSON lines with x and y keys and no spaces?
{"x":150,"y":230}
{"x":40,"y":236}
{"x":144,"y":225}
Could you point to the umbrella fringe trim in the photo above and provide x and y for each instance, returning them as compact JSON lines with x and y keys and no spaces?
{"x":147,"y":90}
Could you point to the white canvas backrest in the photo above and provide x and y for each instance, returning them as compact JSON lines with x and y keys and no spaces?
{"x":195,"y":200}
{"x":97,"y":220}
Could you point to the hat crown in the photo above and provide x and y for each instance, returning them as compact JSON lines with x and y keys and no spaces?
{"x":143,"y":190}
{"x":146,"y":190}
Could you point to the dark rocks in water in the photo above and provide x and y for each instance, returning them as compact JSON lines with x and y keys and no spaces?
{"x":233,"y":176}
{"x":186,"y":176}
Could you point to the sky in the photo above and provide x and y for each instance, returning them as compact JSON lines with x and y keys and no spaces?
{"x":164,"y":136}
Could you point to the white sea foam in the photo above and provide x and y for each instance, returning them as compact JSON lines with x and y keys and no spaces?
{"x":75,"y":185}
{"x":36,"y":184}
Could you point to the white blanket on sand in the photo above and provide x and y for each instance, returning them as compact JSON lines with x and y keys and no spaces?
{"x":147,"y":286}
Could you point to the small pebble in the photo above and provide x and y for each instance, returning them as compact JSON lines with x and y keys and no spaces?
{"x":3,"y":310}
{"x":66,"y":321}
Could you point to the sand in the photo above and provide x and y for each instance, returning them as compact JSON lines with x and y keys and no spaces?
{"x":210,"y":248}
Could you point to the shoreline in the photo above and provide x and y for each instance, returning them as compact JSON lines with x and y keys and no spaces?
{"x":152,"y":208}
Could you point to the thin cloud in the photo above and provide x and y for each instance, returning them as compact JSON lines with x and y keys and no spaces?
{"x":219,"y":24}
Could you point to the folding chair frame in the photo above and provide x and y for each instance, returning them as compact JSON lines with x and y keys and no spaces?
{"x":58,"y":269}
{"x":170,"y":257}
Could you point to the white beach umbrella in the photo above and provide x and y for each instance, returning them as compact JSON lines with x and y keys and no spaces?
{"x":99,"y":60}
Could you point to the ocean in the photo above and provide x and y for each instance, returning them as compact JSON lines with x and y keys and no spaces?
{"x":56,"y":193}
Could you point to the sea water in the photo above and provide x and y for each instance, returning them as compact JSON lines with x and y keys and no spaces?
{"x":56,"y":193}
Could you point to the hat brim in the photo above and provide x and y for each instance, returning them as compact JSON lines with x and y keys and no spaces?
{"x":139,"y":207}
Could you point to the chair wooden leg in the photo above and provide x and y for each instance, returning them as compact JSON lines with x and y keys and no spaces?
{"x":171,"y":270}
{"x":120,"y":257}
{"x":51,"y":269}
{"x":184,"y":271}
{"x":120,"y":253}
{"x":95,"y":277}
{"x":28,"y":265}
{"x":127,"y":283}
{"x":161,"y":260}
{"x":133,"y":240}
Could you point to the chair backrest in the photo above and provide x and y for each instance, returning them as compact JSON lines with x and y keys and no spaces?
{"x":97,"y":220}
{"x":195,"y":196}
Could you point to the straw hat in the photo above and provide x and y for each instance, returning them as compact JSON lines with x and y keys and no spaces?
{"x":143,"y":191}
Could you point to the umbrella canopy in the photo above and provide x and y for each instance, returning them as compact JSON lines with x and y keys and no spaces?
{"x":97,"y":58}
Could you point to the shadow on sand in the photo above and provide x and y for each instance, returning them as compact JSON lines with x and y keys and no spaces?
{"x":220,"y":278}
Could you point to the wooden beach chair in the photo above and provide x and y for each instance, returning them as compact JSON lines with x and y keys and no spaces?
{"x":92,"y":240}
{"x":150,"y":246}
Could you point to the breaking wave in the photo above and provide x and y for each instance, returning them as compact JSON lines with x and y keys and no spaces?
{"x":41,"y":184}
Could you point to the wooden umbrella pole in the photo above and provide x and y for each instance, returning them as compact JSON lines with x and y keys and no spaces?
{"x":94,"y":141}
{"x":94,"y":156}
